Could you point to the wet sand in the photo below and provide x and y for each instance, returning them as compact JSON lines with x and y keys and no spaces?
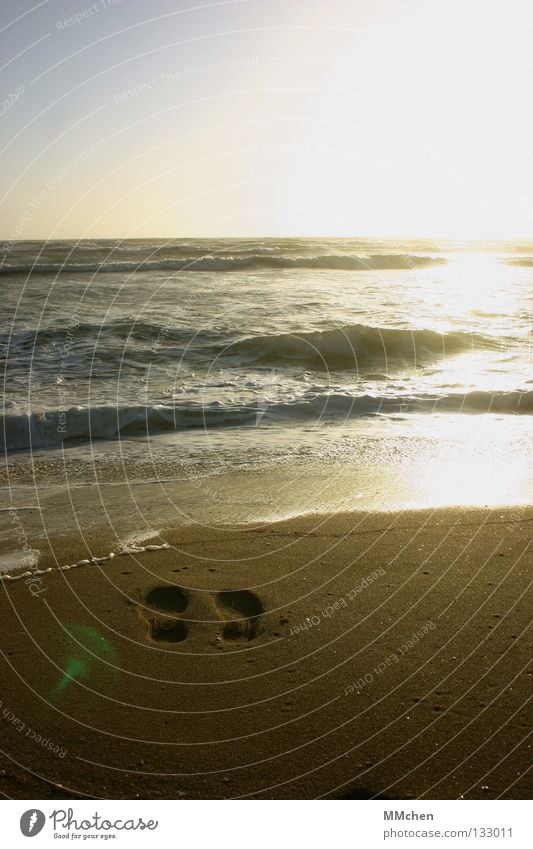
{"x":344,"y":656}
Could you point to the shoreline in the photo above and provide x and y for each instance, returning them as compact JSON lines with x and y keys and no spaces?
{"x":352,"y":655}
{"x":153,"y":540}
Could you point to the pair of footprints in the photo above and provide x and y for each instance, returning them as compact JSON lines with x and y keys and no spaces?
{"x":239,"y":611}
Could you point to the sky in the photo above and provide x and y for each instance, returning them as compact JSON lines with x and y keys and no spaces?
{"x":133,"y":119}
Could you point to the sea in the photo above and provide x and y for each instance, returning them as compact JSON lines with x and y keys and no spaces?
{"x":149,"y":381}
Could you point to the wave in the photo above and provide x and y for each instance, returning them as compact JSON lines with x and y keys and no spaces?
{"x":356,"y":345}
{"x":351,"y":344}
{"x":134,"y":330}
{"x":53,"y":427}
{"x":338,"y":262}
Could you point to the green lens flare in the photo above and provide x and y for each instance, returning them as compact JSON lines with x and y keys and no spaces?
{"x":75,"y":668}
{"x":87,"y":647}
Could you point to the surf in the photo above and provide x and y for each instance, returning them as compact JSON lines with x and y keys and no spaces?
{"x":231,"y":262}
{"x":53,"y":427}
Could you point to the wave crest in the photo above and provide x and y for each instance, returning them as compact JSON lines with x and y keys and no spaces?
{"x":53,"y":427}
{"x":356,"y":345}
{"x":334,"y":262}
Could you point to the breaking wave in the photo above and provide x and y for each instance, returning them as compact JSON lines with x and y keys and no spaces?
{"x":350,"y":347}
{"x":338,"y":262}
{"x":53,"y":427}
{"x":356,"y":345}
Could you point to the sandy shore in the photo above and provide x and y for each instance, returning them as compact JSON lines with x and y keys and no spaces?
{"x":345,"y":656}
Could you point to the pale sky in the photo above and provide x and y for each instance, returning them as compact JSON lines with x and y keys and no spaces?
{"x":266,"y":117}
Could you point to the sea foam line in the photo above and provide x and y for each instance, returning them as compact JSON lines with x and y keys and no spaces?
{"x":93,"y":561}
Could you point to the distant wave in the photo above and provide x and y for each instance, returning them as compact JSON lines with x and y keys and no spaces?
{"x":356,"y":345}
{"x":51,"y":428}
{"x":338,"y":262}
{"x":26,"y":338}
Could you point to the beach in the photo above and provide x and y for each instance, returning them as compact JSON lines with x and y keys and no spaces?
{"x":266,"y":432}
{"x":264,"y":519}
{"x":341,"y":655}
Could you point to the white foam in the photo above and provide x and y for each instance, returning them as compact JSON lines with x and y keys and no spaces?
{"x":137,"y":538}
{"x":11,"y":560}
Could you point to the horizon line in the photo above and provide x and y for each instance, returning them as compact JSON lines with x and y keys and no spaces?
{"x":10,"y":241}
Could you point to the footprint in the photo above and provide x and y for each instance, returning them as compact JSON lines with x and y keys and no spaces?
{"x":238,"y":610}
{"x":168,"y":600}
{"x":242,"y":610}
{"x":167,"y":631}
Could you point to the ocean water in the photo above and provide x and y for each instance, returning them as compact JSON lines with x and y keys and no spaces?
{"x":395,"y":373}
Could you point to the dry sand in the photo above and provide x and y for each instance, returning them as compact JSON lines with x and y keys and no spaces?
{"x":345,"y":656}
